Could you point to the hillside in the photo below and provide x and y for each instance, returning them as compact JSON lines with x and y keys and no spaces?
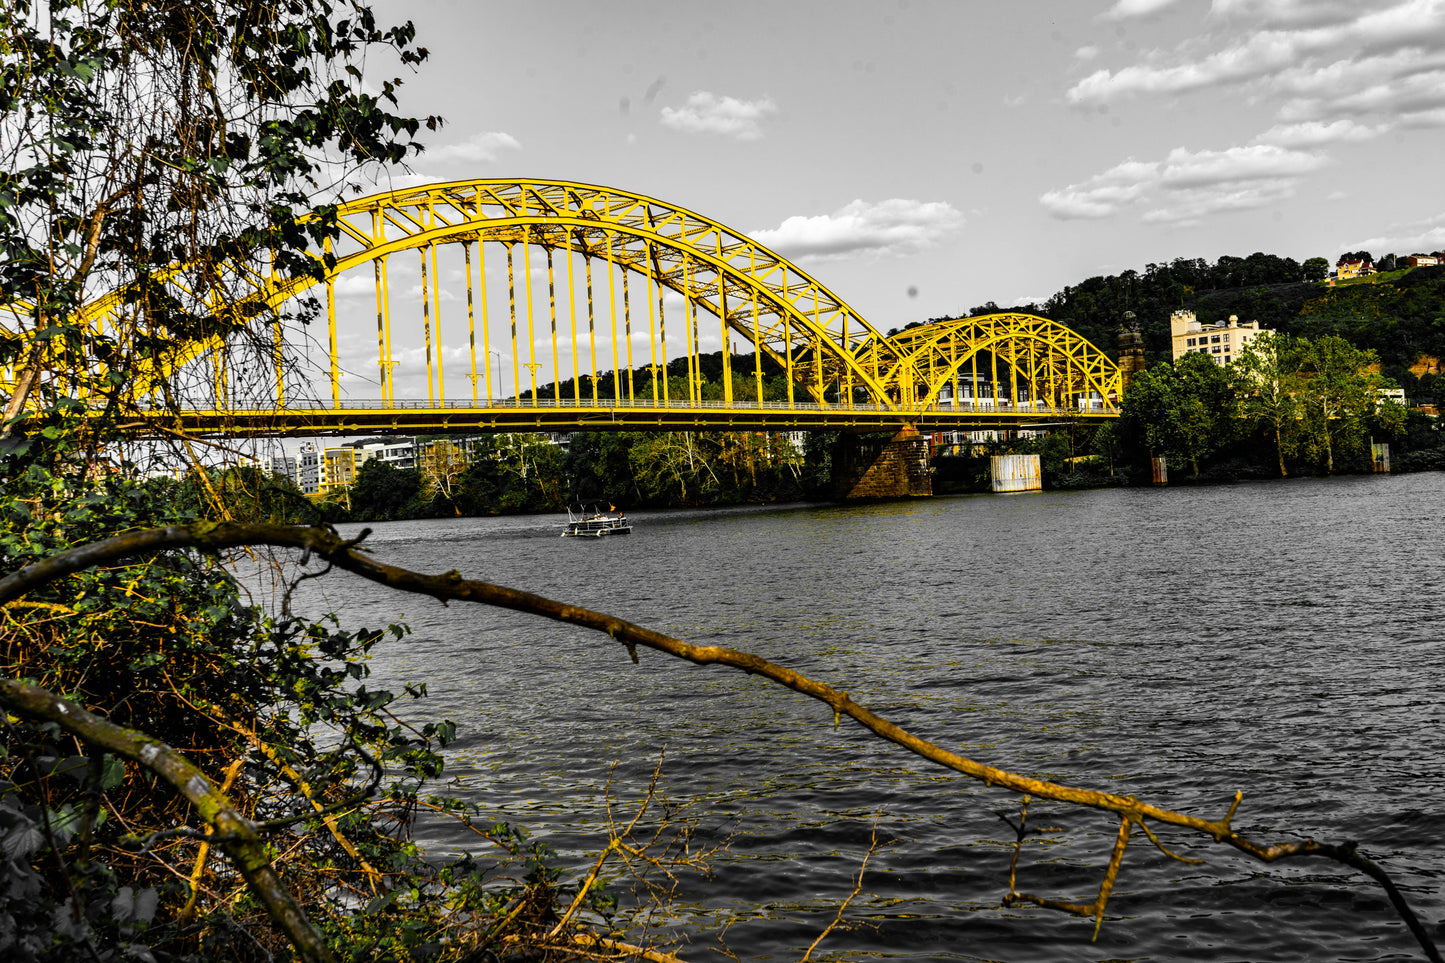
{"x":1401,"y":314}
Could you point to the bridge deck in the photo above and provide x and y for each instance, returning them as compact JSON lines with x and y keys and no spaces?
{"x":374,"y":416}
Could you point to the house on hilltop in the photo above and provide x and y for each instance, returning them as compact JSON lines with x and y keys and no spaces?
{"x":1353,"y":267}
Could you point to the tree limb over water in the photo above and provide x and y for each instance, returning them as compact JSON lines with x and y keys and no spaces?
{"x":348,"y":555}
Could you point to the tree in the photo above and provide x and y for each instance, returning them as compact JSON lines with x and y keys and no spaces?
{"x":382,"y":491}
{"x":155,"y":159}
{"x":443,"y":463}
{"x":1184,"y":409}
{"x":1265,"y":378}
{"x":1338,"y":391}
{"x":163,"y":151}
{"x":1316,"y":269}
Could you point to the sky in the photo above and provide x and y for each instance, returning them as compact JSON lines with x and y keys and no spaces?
{"x":921,"y":157}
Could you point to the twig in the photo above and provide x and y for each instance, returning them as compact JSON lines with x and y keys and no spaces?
{"x":857,"y":889}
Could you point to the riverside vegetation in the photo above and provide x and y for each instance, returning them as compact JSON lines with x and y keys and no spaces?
{"x":1288,"y":405}
{"x":186,"y":771}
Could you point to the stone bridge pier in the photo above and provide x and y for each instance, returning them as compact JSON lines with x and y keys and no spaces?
{"x":895,"y":468}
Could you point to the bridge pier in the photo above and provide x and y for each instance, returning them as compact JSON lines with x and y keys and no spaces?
{"x":896,"y":468}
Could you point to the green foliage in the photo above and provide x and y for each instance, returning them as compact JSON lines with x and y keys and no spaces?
{"x":384,"y":492}
{"x":1338,"y":397}
{"x":159,"y":151}
{"x":1265,"y":378}
{"x":274,"y":708}
{"x":1180,"y":410}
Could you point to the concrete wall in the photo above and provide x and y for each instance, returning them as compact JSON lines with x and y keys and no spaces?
{"x":1016,"y":473}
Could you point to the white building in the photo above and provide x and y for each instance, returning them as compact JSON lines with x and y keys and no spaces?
{"x":301,"y":466}
{"x":1221,"y":341}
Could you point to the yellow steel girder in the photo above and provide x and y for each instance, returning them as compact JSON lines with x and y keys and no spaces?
{"x":1053,"y":360}
{"x":777,"y":309}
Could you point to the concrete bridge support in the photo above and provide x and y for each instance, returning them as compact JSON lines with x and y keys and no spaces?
{"x":896,"y":468}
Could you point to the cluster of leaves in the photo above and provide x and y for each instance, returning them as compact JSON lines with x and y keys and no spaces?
{"x":155,"y":158}
{"x":102,"y":858}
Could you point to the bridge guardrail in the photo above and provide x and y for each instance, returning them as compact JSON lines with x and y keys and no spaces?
{"x":605,"y":404}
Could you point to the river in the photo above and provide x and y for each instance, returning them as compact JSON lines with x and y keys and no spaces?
{"x":1279,"y":638}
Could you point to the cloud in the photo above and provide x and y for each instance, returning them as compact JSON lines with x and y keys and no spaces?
{"x":1332,"y":72}
{"x":1086,"y":53}
{"x":1417,"y":237}
{"x":895,"y":226}
{"x":1262,"y":41}
{"x":483,"y":147}
{"x":1286,"y":12}
{"x":1211,"y":168}
{"x":1103,"y":194}
{"x":1188,"y":185}
{"x":1123,"y":9}
{"x":1315,"y":133}
{"x":707,"y":113}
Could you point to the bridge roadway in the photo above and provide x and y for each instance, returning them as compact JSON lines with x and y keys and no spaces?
{"x":303,"y":417}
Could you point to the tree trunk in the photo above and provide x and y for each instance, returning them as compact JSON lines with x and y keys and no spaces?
{"x":1279,"y":450}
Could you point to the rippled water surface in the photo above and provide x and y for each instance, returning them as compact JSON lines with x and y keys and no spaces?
{"x":1284,"y":639}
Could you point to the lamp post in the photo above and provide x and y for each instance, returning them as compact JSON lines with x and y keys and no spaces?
{"x":499,"y":371}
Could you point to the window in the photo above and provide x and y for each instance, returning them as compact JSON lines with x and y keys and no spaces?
{"x":1190,"y":342}
{"x":1215,"y":339}
{"x":1215,"y":350}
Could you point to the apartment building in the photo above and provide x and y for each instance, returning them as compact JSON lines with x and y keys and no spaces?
{"x":301,"y":466}
{"x":1222,"y":341}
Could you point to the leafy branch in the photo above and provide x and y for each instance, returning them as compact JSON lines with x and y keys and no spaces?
{"x":236,"y":834}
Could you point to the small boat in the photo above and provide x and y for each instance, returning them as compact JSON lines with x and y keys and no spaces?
{"x":595,"y":523}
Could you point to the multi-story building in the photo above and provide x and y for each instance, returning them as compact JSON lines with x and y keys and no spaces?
{"x":1222,"y":341}
{"x":301,"y":467}
{"x":398,"y":452}
{"x":339,"y":466}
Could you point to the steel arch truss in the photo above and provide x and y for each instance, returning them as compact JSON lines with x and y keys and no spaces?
{"x":1026,"y":360}
{"x":850,"y":374}
{"x":776,"y":308}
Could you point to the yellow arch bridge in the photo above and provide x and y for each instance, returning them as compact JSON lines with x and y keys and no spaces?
{"x":503,"y":305}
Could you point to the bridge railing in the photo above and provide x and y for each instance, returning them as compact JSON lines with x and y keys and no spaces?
{"x":605,"y":404}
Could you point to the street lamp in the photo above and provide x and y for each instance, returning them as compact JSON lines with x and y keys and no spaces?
{"x":499,"y":371}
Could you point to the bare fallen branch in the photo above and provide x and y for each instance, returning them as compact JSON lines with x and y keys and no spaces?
{"x":451,"y":586}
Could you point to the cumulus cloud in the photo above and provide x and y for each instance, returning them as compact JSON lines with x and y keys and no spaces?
{"x":1187,"y":185}
{"x":1417,"y":237}
{"x":1123,"y":9}
{"x":1286,"y":12}
{"x":707,"y":113}
{"x":1103,"y":194}
{"x":895,"y":226}
{"x":1267,"y":41}
{"x":483,"y":147}
{"x":1209,"y":168}
{"x":1317,"y":133}
{"x":1331,"y":71}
